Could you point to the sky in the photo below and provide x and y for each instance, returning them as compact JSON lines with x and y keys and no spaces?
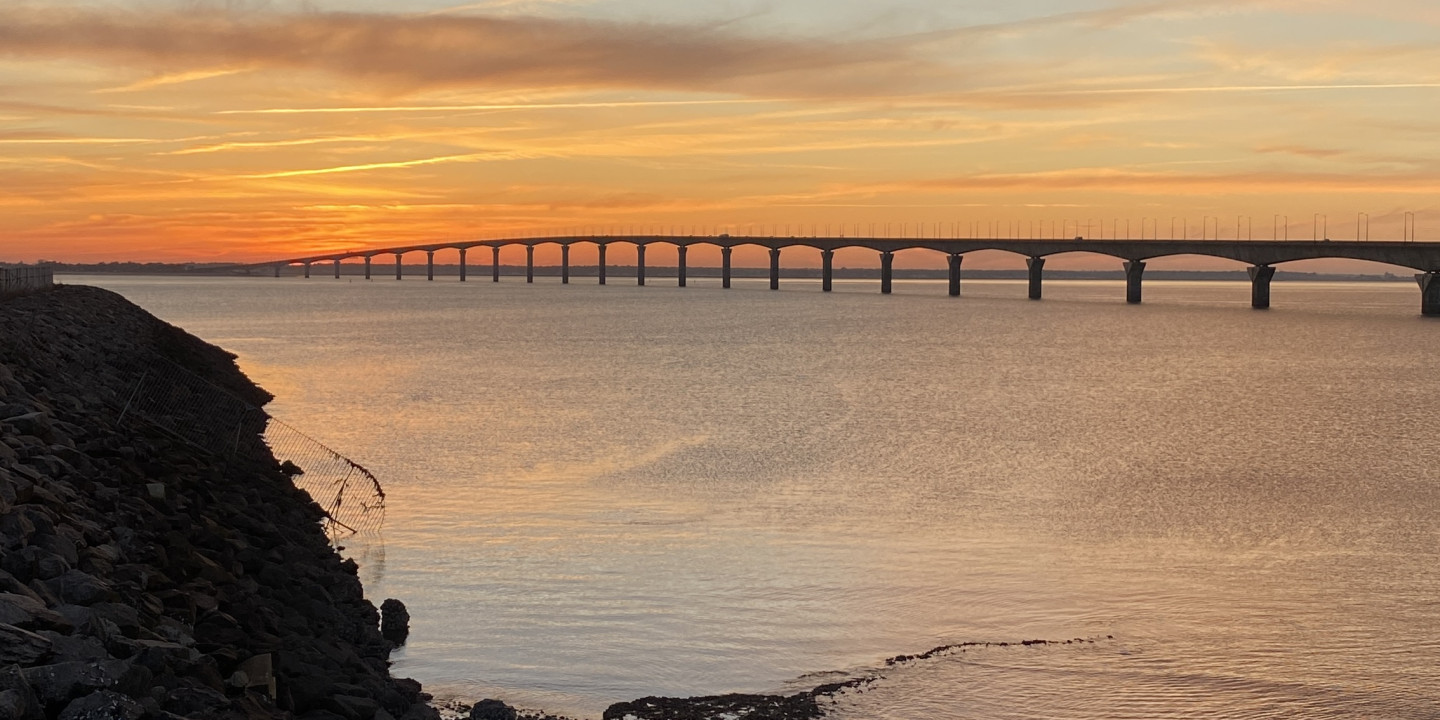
{"x":252,"y":130}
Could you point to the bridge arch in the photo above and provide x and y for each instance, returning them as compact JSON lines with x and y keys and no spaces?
{"x":1261,"y":257}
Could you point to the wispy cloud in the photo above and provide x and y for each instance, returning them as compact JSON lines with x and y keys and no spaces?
{"x":411,"y":52}
{"x":175,"y":79}
{"x":469,"y":157}
{"x":495,"y":106}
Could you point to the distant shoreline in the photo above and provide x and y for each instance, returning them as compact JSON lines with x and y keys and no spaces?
{"x":483,"y":272}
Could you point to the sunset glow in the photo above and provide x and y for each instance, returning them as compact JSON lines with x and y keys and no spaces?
{"x":162,"y":130}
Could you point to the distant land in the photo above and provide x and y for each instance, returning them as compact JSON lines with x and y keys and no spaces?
{"x":482,"y":272}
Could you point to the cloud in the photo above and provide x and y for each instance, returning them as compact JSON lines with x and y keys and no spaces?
{"x":419,"y":52}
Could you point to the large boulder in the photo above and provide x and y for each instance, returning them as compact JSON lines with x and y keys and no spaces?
{"x":21,"y":647}
{"x":394,"y":621}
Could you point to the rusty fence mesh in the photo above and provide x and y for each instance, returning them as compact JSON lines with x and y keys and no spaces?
{"x":203,"y":414}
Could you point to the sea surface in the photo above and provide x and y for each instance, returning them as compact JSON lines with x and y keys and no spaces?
{"x":602,"y":493}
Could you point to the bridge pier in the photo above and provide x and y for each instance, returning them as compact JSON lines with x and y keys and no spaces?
{"x":827,"y":270}
{"x":430,"y":265}
{"x":399,"y":268}
{"x":955,"y":260}
{"x":564,"y":264}
{"x":494,"y":263}
{"x":602,"y":264}
{"x":462,"y":264}
{"x":640,"y":265}
{"x":887,"y":265}
{"x":277,"y":269}
{"x":725,"y":267}
{"x":367,"y":267}
{"x":774,"y":268}
{"x":529,"y":263}
{"x":680,"y":266}
{"x":1260,"y":277}
{"x":307,"y":271}
{"x":1037,"y":274}
{"x":1429,"y":293}
{"x":337,"y":268}
{"x":1134,"y":271}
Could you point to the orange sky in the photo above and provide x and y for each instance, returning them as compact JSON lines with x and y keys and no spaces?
{"x":246,"y":131}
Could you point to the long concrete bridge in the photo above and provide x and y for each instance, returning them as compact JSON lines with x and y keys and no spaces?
{"x":1261,"y":255}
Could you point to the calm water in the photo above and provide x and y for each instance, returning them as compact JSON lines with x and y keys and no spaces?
{"x":603,"y":493}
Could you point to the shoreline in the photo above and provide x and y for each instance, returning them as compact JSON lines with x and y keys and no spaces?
{"x":143,"y":576}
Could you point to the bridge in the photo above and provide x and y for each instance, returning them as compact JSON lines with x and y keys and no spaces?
{"x":1261,"y":255}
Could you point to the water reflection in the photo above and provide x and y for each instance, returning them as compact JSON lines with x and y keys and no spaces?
{"x":603,"y":493}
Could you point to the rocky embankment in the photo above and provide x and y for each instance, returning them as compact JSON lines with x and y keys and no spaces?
{"x":142,"y":577}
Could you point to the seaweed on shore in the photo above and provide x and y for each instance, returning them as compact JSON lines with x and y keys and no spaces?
{"x":804,"y":705}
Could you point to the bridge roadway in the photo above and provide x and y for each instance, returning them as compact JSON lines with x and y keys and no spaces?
{"x":1261,"y":255}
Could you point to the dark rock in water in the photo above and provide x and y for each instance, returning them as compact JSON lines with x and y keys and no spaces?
{"x":103,"y":705}
{"x":394,"y":621}
{"x":492,"y":710}
{"x":749,"y":707}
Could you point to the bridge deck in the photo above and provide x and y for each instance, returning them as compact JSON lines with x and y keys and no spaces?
{"x":1422,"y":256}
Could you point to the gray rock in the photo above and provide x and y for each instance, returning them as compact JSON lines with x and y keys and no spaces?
{"x":59,"y":545}
{"x":34,"y":423}
{"x":61,"y":682}
{"x":10,"y":584}
{"x":71,"y":648}
{"x":102,"y":705}
{"x":21,"y":647}
{"x":15,"y":528}
{"x":492,"y":710}
{"x":194,"y":701}
{"x":24,"y":611}
{"x":352,"y":707}
{"x":17,"y":698}
{"x":81,"y":588}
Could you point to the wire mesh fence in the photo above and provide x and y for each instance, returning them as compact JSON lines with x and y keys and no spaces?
{"x":203,"y":414}
{"x":25,"y":279}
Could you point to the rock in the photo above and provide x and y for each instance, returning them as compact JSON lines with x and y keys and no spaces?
{"x":11,"y":584}
{"x":81,"y":588}
{"x":394,"y":621}
{"x":36,"y":424}
{"x":24,"y":611}
{"x":15,"y":528}
{"x":125,"y":591}
{"x":17,"y":698}
{"x":259,"y":671}
{"x":21,"y":647}
{"x":193,"y":702}
{"x":489,"y":709}
{"x":352,"y":707}
{"x":102,"y":705}
{"x":238,"y":680}
{"x":59,"y":545}
{"x":61,"y":682}
{"x":421,"y":711}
